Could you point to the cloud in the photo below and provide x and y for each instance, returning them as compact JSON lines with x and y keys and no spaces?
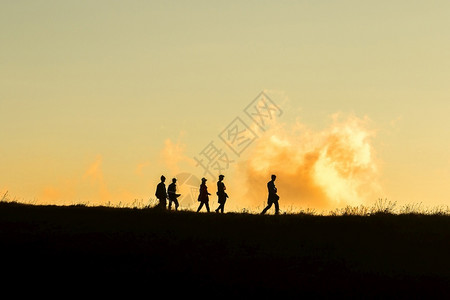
{"x":94,"y":173}
{"x":173,"y":156}
{"x":322,"y":169}
{"x":139,"y":170}
{"x":51,"y":194}
{"x":317,"y":169}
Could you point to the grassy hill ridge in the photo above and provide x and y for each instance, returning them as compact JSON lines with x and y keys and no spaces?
{"x":233,"y":253}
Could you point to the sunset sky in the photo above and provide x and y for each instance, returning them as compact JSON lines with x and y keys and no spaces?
{"x":98,"y":99}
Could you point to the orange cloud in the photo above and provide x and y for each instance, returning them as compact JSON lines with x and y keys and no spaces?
{"x":173,"y":156}
{"x":95,"y":174}
{"x":139,"y":170}
{"x":51,"y":194}
{"x":90,"y":187}
{"x":326,"y":169}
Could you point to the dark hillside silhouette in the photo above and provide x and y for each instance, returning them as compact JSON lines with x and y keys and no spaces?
{"x":152,"y":251}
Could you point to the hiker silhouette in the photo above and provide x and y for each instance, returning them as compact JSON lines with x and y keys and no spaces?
{"x":172,"y":194}
{"x":273,"y":196}
{"x":203,"y":197}
{"x":222,"y":195}
{"x":161,"y":193}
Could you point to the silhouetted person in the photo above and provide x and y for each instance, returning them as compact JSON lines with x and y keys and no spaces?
{"x":203,"y":197}
{"x":161,"y":193}
{"x":221,"y":194}
{"x":273,"y":197}
{"x":172,"y":192}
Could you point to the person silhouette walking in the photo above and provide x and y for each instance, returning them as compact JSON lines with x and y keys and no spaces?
{"x":161,"y":193}
{"x":172,"y":193}
{"x":221,"y":194}
{"x":203,"y":197}
{"x":273,"y":196}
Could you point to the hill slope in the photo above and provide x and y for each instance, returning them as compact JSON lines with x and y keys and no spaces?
{"x":241,"y":254}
